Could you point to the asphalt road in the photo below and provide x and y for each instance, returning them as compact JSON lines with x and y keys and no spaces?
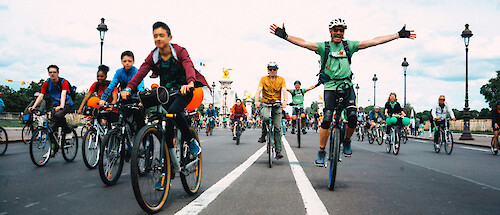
{"x":417,"y":181}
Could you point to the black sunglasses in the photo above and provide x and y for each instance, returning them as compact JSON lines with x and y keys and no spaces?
{"x":273,"y":69}
{"x":337,"y":30}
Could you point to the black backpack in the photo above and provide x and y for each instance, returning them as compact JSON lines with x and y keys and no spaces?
{"x":323,"y":77}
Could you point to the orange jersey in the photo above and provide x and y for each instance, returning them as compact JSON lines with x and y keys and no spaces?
{"x":238,"y":110}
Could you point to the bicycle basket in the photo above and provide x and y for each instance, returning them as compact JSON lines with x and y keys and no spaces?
{"x":26,"y":118}
{"x":90,"y":111}
{"x":154,"y":97}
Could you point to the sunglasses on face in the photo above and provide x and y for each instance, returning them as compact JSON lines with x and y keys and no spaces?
{"x":441,"y":99}
{"x":273,"y":69}
{"x":341,"y":30}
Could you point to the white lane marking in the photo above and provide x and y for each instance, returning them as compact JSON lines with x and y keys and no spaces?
{"x":200,"y":203}
{"x":422,"y":141}
{"x":3,"y":213}
{"x":477,"y":149}
{"x":31,"y":204}
{"x":63,"y":194}
{"x":90,"y":185}
{"x":437,"y":170}
{"x":312,"y":202}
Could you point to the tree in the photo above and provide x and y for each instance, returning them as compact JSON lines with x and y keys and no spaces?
{"x":458,"y":114}
{"x":201,"y":108}
{"x":485,"y":114}
{"x":408,"y":109}
{"x":314,"y":107}
{"x":491,"y":90}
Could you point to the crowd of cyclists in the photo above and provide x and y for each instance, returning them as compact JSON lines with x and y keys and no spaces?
{"x":172,"y":65}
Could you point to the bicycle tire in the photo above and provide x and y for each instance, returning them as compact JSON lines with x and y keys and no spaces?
{"x":370,"y":137}
{"x":270,"y":143}
{"x":40,"y":147}
{"x":26,"y":133}
{"x":4,"y":141}
{"x":388,"y":143}
{"x":147,"y":196}
{"x":493,"y":146}
{"x":191,"y":184}
{"x":84,"y":130}
{"x":299,"y":130}
{"x":238,"y":134}
{"x":112,"y":151}
{"x":91,"y":148}
{"x":397,"y":141}
{"x":448,"y":144}
{"x":380,"y":136}
{"x":70,"y":146}
{"x":334,"y":155}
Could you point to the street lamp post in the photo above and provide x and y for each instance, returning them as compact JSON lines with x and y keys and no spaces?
{"x":357,"y":93}
{"x":102,"y":28}
{"x":405,"y":66}
{"x":374,"y":82}
{"x":213,"y":93}
{"x":466,"y":135}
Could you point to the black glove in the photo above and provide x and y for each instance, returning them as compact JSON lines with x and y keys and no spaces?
{"x":280,"y":32}
{"x":403,"y":33}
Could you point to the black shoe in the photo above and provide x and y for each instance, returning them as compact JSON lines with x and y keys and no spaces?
{"x":293,"y":131}
{"x":304,"y":131}
{"x":261,"y":140}
{"x":234,"y":138}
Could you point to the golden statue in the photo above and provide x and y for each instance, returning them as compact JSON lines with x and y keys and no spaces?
{"x":248,"y":95}
{"x":320,"y":97}
{"x":226,"y":73}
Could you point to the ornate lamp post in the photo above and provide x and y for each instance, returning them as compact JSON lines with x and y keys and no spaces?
{"x":213,"y":93}
{"x":466,"y":135}
{"x":374,"y":79}
{"x":102,"y":28}
{"x":405,"y":66}
{"x":357,"y":93}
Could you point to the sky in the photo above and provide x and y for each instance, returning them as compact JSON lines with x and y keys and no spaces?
{"x":235,"y":34}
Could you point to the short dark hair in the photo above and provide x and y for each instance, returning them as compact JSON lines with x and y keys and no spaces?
{"x":238,"y":100}
{"x":161,"y":25}
{"x":103,"y":68}
{"x":53,"y":66}
{"x":128,"y":53}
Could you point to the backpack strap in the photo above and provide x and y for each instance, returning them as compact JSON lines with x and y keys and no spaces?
{"x":346,"y":49}
{"x":327,"y":53}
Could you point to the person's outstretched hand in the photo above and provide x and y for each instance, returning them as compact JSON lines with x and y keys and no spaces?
{"x":278,"y":31}
{"x":403,"y":33}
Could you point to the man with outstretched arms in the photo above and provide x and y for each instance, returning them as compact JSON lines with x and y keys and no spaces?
{"x":298,"y":102}
{"x":439,"y":113}
{"x":337,"y":71}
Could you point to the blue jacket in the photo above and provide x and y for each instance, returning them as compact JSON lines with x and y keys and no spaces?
{"x":210,"y":112}
{"x":2,"y":106}
{"x":121,"y":77}
{"x":55,"y":93}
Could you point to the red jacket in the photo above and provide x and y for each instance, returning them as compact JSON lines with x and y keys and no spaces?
{"x":180,"y":55}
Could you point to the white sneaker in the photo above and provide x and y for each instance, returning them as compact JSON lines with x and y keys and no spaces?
{"x":385,"y":137}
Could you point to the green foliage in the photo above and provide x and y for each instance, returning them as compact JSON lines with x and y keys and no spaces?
{"x":491,"y":90}
{"x":201,"y":108}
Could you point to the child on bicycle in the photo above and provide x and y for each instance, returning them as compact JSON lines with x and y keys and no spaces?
{"x":273,"y":89}
{"x":237,"y":111}
{"x":173,"y":65}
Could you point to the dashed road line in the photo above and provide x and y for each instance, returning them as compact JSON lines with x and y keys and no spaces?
{"x":477,"y":149}
{"x":200,"y":203}
{"x":312,"y":202}
{"x":63,"y":194}
{"x":31,"y":204}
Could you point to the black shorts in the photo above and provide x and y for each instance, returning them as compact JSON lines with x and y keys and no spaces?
{"x":331,"y":95}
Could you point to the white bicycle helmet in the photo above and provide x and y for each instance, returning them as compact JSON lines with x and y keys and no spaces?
{"x":36,"y":94}
{"x":337,"y":22}
{"x":272,"y":64}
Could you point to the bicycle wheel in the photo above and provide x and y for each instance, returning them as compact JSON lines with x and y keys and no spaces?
{"x":26,"y":133}
{"x":91,"y":148}
{"x":448,"y":144}
{"x":493,"y":146}
{"x":238,"y":134}
{"x":270,"y":143}
{"x":397,"y":141}
{"x":192,"y":166}
{"x":150,"y":177}
{"x":40,"y":147}
{"x":111,"y":157}
{"x":437,"y":149}
{"x":4,"y":141}
{"x":370,"y":137}
{"x":334,"y":156}
{"x":299,"y":121}
{"x":70,"y":146}
{"x":388,"y":142}
{"x":84,"y":130}
{"x":380,"y":136}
